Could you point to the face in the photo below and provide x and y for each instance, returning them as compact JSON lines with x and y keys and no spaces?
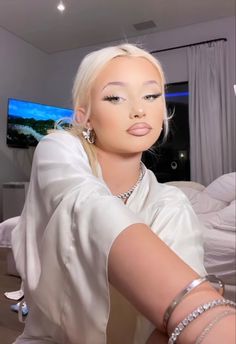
{"x":127,"y":106}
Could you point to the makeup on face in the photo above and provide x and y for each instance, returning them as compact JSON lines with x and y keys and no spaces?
{"x":139,"y":129}
{"x":127,"y":106}
{"x":118,"y":92}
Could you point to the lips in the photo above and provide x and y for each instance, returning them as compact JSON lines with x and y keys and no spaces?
{"x":139,"y":129}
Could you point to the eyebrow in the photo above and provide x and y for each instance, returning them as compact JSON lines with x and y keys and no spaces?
{"x":150,"y":82}
{"x":121,"y":83}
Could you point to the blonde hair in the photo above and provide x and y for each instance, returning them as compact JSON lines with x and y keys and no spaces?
{"x":89,"y":69}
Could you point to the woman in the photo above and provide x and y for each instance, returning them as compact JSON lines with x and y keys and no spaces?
{"x":95,"y":214}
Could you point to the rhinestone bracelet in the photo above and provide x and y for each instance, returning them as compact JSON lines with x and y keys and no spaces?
{"x":195,"y":314}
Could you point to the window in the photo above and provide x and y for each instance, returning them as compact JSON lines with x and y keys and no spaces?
{"x":170,"y":160}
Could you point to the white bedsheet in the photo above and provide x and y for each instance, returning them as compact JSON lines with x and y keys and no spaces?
{"x":216,"y":208}
{"x":220,"y":258}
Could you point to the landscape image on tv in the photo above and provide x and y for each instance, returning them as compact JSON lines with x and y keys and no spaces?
{"x":28,"y":122}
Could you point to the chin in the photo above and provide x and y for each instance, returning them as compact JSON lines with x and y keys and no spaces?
{"x":138,"y":148}
{"x":143,"y":145}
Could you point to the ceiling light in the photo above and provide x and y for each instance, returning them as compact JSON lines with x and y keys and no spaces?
{"x":61,"y":7}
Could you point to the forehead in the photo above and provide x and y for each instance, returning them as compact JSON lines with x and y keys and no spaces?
{"x":127,"y":68}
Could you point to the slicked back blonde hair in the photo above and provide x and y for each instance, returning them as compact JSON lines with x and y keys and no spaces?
{"x":89,"y":69}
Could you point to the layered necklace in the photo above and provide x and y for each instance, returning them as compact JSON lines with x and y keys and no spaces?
{"x":125,"y":195}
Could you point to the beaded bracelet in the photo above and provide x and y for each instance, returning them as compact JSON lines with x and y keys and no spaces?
{"x":208,"y":328}
{"x":195,"y":314}
{"x":195,"y":283}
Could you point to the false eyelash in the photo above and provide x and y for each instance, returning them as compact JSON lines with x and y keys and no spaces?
{"x":155,"y":95}
{"x":111,"y":97}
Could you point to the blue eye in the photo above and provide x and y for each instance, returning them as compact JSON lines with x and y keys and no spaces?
{"x":152,"y":97}
{"x":113,"y":99}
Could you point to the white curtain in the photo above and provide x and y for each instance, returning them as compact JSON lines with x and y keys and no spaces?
{"x":211,"y":117}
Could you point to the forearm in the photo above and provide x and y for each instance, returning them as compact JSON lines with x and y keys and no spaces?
{"x":146,"y":271}
{"x":150,"y":275}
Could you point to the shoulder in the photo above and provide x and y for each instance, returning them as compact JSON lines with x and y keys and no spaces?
{"x":61,"y":137}
{"x":60,"y":141}
{"x":60,"y":147}
{"x":170,"y":192}
{"x":164,"y":194}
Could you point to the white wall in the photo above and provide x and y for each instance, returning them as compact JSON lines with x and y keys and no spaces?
{"x":23,"y":71}
{"x":63,"y":65}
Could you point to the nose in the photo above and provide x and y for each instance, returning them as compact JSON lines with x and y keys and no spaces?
{"x":137,"y":113}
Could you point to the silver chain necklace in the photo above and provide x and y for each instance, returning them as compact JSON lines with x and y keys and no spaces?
{"x":125,"y":195}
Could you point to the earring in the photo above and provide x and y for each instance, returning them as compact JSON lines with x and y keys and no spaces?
{"x":89,"y":135}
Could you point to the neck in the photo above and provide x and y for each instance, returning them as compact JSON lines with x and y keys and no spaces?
{"x":120,"y":171}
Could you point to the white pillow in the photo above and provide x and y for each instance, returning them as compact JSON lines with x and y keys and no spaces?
{"x":223,"y":188}
{"x":188,"y":184}
{"x":225,"y":219}
{"x":203,"y":203}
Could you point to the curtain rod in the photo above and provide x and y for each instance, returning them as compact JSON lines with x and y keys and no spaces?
{"x":188,"y":45}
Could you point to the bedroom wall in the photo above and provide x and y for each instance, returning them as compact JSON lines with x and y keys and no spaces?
{"x":63,"y":65}
{"x":22,"y":75}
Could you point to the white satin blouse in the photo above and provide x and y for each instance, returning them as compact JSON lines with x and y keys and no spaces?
{"x":62,"y":242}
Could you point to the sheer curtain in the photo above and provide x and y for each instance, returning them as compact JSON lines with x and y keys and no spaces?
{"x":211,"y":119}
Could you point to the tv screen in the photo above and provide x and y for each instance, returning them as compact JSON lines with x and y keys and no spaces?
{"x":28,"y":122}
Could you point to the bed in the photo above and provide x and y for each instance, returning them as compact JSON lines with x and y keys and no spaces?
{"x":215,"y":206}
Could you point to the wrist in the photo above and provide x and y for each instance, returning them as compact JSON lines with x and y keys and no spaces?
{"x":193,"y":331}
{"x":191,"y":321}
{"x":202,"y":295}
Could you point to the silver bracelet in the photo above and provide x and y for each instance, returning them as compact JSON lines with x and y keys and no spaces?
{"x":208,"y":328}
{"x":195,"y":283}
{"x":195,"y":314}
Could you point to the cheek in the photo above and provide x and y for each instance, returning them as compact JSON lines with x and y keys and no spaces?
{"x":104,"y":123}
{"x":158,"y":115}
{"x":105,"y":118}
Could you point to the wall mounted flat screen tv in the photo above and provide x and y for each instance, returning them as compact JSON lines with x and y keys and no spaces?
{"x":28,"y":122}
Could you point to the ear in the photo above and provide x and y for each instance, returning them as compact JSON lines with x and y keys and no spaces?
{"x":80,"y":115}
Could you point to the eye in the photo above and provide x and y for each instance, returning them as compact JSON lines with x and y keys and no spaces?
{"x":113,"y":99}
{"x":152,"y":97}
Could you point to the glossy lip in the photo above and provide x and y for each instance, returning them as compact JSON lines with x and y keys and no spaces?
{"x":139,"y":129}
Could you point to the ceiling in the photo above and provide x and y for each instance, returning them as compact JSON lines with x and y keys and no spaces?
{"x":91,"y":22}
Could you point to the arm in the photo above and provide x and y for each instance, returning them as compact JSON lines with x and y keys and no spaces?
{"x":150,"y":275}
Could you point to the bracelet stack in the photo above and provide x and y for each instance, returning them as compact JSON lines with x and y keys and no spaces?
{"x":195,"y":314}
{"x":199,"y":310}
